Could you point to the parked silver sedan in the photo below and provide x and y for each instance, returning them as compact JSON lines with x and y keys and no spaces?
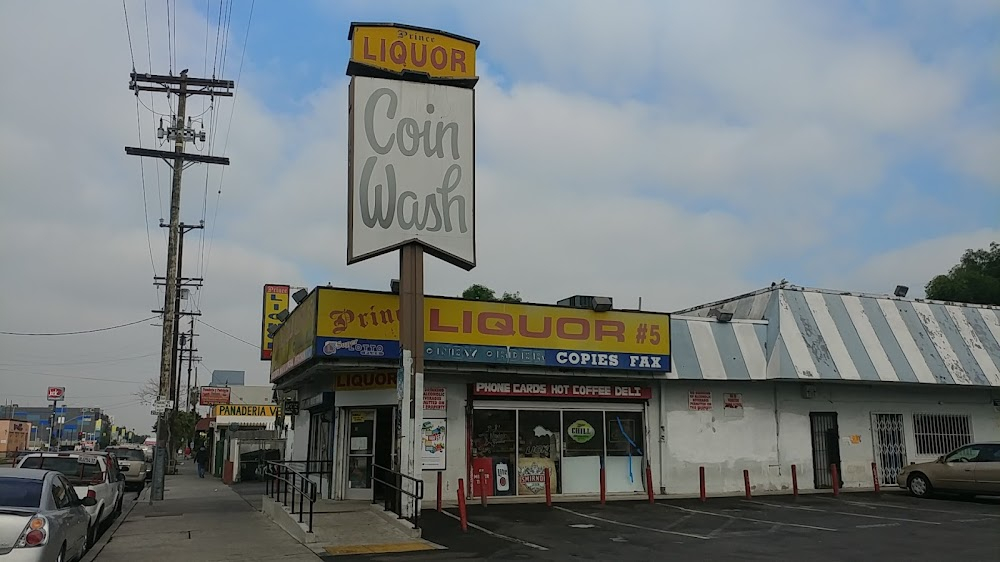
{"x":41,"y":517}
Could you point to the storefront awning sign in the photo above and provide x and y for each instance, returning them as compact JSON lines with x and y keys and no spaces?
{"x":365,"y":325}
{"x":546,"y":390}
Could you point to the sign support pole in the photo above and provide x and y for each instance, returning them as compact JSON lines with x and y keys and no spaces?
{"x":411,"y":339}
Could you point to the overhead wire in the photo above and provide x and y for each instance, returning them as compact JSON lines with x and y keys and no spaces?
{"x":225,"y":147}
{"x":78,"y":332}
{"x":237,"y":338}
{"x":75,"y":363}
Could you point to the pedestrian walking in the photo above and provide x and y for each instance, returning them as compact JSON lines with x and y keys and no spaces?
{"x":201,"y":458}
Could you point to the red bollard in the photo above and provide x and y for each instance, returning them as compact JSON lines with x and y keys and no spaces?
{"x":462,"y":515}
{"x":649,"y":482}
{"x":548,"y":488}
{"x":795,"y":481}
{"x":836,"y":479}
{"x":604,"y":487}
{"x":701,"y":477}
{"x":878,"y":487}
{"x":746,"y":482}
{"x":440,"y":490}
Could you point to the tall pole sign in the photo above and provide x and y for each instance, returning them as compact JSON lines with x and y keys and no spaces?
{"x":411,"y":180}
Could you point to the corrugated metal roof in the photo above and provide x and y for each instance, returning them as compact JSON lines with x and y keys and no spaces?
{"x":702,"y":348}
{"x":814,"y":334}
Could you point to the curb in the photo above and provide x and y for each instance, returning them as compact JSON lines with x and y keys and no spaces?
{"x":110,"y":533}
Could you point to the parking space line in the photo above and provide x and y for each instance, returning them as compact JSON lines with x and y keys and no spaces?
{"x":630,"y":525}
{"x":876,"y":525}
{"x":713,"y":514}
{"x":497,"y":535}
{"x":848,"y":513}
{"x":911,"y":508}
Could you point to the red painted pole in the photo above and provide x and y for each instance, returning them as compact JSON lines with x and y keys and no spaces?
{"x":836,"y":479}
{"x":746,"y":482}
{"x":440,"y":490}
{"x":878,"y":488}
{"x":548,"y":488}
{"x":795,"y":481}
{"x":649,"y":482}
{"x":701,"y":477}
{"x":604,"y":487}
{"x":462,"y":515}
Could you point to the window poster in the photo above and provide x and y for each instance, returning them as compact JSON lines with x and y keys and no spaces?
{"x":434,"y":448}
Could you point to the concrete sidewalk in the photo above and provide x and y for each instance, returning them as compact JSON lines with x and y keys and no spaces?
{"x":203,"y":520}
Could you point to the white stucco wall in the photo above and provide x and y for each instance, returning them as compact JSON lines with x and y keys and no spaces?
{"x":773,"y":432}
{"x":455,"y":440}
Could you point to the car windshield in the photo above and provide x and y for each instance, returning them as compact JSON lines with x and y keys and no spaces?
{"x":129,"y":454}
{"x":20,"y":492}
{"x":77,"y":474}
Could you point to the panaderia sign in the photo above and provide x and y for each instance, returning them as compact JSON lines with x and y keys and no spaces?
{"x":246,"y":410}
{"x":362,"y":324}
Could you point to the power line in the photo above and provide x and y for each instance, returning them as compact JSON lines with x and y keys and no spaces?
{"x":72,"y":377}
{"x":78,"y":332}
{"x":75,"y":363}
{"x":227,"y":333}
{"x":128,"y":31}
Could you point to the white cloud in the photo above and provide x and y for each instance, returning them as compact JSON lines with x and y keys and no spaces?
{"x":664,"y":156}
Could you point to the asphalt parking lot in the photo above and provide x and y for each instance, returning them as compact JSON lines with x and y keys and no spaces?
{"x":888,"y":526}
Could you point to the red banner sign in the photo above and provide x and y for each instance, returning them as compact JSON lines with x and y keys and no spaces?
{"x":546,"y":390}
{"x":56,"y":393}
{"x":212,"y":395}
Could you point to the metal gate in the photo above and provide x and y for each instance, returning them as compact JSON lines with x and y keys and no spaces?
{"x":890,"y":446}
{"x":825,"y":447}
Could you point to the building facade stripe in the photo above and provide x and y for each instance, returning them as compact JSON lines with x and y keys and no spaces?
{"x":907,"y":342}
{"x":795,"y":344}
{"x":928,"y":351}
{"x":936,"y":334}
{"x":986,"y":324}
{"x":733,"y":362}
{"x":878,"y":358}
{"x":968,"y":346}
{"x":750,"y":339}
{"x":844,"y":343}
{"x":682,"y":356}
{"x":812,"y":335}
{"x":707,"y":351}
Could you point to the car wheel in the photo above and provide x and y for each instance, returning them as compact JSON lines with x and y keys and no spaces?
{"x":919,"y":486}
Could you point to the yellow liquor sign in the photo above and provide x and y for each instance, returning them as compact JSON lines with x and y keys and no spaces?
{"x":403,"y":49}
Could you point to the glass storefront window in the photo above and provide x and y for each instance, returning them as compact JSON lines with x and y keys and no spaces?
{"x":539,"y":447}
{"x":625,"y":466}
{"x":512,"y":448}
{"x":494,"y":448}
{"x":583,"y":433}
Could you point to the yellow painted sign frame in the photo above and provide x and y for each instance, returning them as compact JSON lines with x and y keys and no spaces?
{"x":399,"y":49}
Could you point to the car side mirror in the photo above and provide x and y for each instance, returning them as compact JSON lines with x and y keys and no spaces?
{"x":88,"y":501}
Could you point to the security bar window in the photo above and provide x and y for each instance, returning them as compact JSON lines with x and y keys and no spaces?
{"x":938,"y":434}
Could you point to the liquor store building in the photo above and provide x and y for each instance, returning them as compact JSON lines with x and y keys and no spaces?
{"x":782,"y":377}
{"x":509,"y":390}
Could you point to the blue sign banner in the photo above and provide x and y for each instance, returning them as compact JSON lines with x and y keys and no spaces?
{"x":497,"y":355}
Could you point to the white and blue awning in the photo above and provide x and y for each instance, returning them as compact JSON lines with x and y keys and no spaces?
{"x":811,"y":334}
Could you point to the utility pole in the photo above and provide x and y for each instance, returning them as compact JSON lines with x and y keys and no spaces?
{"x":190,"y":365}
{"x":182,"y":86}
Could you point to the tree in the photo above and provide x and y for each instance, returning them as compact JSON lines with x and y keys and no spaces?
{"x":148,"y":392}
{"x":976,"y":279}
{"x":479,"y":292}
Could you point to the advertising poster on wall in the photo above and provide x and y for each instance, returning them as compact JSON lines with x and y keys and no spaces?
{"x":531,"y":475}
{"x":435,"y":403}
{"x":434,"y":448}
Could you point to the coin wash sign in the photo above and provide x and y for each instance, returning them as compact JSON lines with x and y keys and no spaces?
{"x":412,"y":176}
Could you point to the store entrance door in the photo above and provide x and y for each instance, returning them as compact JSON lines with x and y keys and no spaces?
{"x":370,"y":440}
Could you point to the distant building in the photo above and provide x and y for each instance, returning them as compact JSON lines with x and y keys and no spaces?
{"x":70,"y":423}
{"x":228,"y":378}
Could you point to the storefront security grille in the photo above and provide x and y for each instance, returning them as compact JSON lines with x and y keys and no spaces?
{"x":938,"y":434}
{"x":890,"y":446}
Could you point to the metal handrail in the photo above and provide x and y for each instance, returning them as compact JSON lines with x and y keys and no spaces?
{"x":393,"y":502}
{"x":282,"y":482}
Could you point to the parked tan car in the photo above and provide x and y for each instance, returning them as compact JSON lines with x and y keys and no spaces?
{"x":970,"y":470}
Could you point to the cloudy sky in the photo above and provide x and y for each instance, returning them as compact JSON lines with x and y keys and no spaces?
{"x":680,"y":152}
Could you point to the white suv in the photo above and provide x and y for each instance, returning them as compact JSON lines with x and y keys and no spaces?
{"x":93,"y":475}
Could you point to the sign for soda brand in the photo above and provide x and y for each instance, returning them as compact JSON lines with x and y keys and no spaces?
{"x":360,"y":324}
